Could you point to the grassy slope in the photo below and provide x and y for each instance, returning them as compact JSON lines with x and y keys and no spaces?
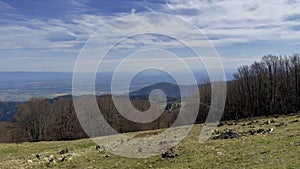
{"x":279,"y":149}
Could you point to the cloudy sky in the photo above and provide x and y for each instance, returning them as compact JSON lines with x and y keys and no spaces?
{"x":47,"y":35}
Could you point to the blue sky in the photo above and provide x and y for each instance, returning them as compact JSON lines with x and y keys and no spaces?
{"x":47,"y":35}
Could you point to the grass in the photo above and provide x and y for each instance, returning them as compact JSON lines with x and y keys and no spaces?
{"x":278,"y":149}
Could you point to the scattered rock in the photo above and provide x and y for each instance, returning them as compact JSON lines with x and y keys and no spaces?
{"x":273,"y":121}
{"x":228,"y":134}
{"x":169,"y":154}
{"x":263,"y":131}
{"x":295,"y":121}
{"x":107,"y":155}
{"x":51,"y":162}
{"x":252,"y":132}
{"x":29,"y":161}
{"x":51,"y":157}
{"x":98,"y":147}
{"x":140,"y":149}
{"x":38,"y":156}
{"x":260,"y":130}
{"x":63,"y":158}
{"x":270,"y":130}
{"x":268,"y":122}
{"x":64,"y":151}
{"x":162,"y":142}
{"x":243,"y":125}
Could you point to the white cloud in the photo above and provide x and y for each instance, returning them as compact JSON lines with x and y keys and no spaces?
{"x":224,"y":22}
{"x":238,"y":21}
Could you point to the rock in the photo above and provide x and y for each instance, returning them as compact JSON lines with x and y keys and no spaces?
{"x":267,"y":122}
{"x":97,"y":147}
{"x":64,"y":151}
{"x":140,"y":149}
{"x":295,"y":121}
{"x":29,"y":161}
{"x":260,"y":130}
{"x":51,"y":163}
{"x":220,"y":153}
{"x":276,"y":115}
{"x":270,"y":130}
{"x":243,"y":125}
{"x":169,"y":154}
{"x":107,"y":155}
{"x":38,"y":156}
{"x":273,"y":121}
{"x":252,"y":132}
{"x":263,"y":131}
{"x":64,"y":158}
{"x":162,"y":142}
{"x":51,"y":157}
{"x":228,"y":134}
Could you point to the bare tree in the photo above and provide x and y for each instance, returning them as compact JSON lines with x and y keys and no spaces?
{"x":33,"y":117}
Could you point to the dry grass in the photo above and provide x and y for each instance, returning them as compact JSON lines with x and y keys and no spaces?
{"x":278,"y":149}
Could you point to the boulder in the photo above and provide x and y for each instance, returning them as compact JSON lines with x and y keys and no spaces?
{"x":64,"y":151}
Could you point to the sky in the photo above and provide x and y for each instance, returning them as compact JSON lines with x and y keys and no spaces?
{"x":48,"y":35}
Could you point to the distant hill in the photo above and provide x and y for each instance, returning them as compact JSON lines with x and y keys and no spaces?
{"x":172,"y":91}
{"x":8,"y":110}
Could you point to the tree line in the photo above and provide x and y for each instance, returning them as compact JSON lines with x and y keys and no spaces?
{"x":40,"y":120}
{"x":268,"y":87}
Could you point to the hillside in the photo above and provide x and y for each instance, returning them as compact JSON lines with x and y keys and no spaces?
{"x":260,"y":143}
{"x":8,"y":110}
{"x":172,"y":91}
